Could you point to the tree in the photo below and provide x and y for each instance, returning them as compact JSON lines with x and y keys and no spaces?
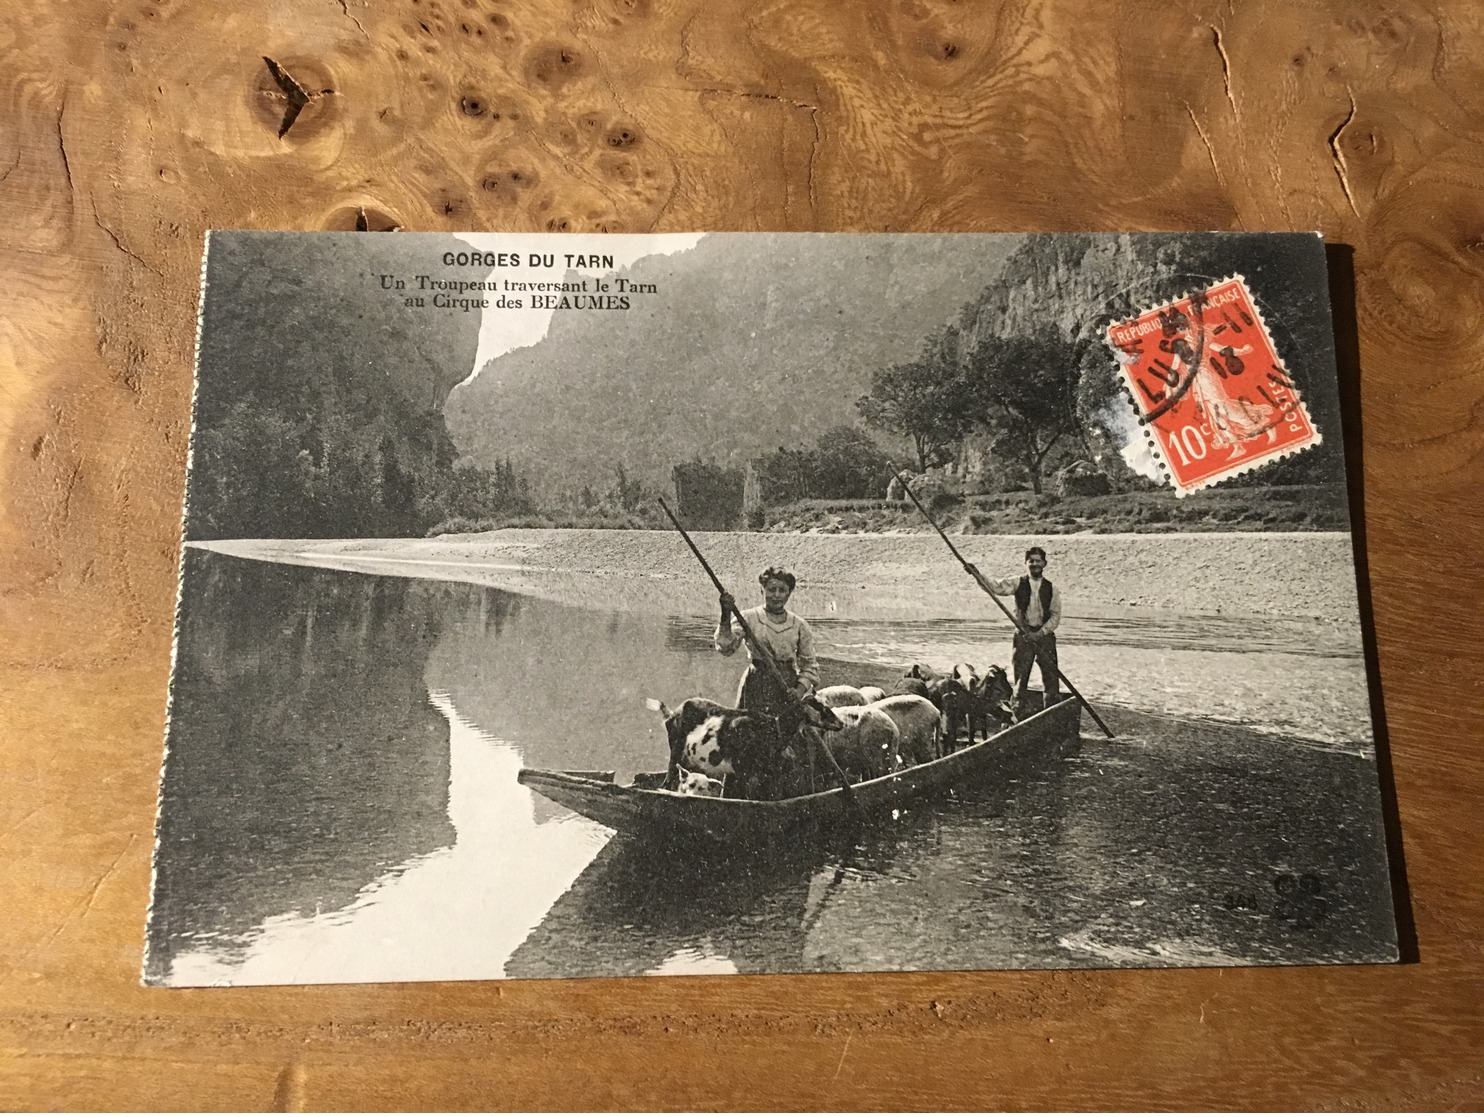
{"x":783,"y":475}
{"x":848,"y":465}
{"x":844,"y":464}
{"x":917,"y":399}
{"x":1025,"y":388}
{"x":475,"y":493}
{"x":708,"y":496}
{"x":627,"y":492}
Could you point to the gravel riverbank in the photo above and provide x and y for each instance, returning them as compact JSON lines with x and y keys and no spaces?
{"x":879,"y":576}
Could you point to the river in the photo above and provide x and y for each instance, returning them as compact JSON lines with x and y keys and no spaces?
{"x":340,"y":801}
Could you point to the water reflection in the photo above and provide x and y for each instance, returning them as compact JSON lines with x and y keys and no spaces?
{"x":1158,"y":849}
{"x":299,"y":712}
{"x":457,"y":912}
{"x":634,"y":912}
{"x":340,"y":804}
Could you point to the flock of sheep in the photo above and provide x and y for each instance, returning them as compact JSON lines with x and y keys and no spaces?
{"x":922,"y":719}
{"x":716,"y":751}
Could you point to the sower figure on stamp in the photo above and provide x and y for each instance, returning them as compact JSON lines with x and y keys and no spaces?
{"x":1038,"y":609}
{"x":783,"y":633}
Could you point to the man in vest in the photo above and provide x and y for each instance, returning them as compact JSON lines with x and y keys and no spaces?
{"x":1038,"y":609}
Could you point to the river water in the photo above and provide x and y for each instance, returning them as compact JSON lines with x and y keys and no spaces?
{"x":340,"y":800}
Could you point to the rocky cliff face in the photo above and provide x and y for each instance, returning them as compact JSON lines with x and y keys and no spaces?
{"x":319,"y":391}
{"x":328,"y":407}
{"x":286,"y":309}
{"x":1081,"y":283}
{"x":752,"y":342}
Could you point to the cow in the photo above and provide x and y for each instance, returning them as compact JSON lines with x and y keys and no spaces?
{"x":836,"y":696}
{"x":694,"y":783}
{"x":990,"y":709}
{"x":919,"y":731}
{"x":746,"y":745}
{"x":872,"y":694}
{"x":866,"y":747}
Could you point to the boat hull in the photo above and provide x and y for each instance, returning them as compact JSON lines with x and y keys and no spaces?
{"x":666,"y":815}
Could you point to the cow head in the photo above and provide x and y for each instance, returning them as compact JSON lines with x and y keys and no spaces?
{"x":809,"y":711}
{"x":781,"y":757}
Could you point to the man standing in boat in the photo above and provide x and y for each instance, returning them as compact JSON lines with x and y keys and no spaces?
{"x":783,"y":633}
{"x":1038,"y":611}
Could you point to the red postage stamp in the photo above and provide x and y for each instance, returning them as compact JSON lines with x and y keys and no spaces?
{"x":1213,"y":396}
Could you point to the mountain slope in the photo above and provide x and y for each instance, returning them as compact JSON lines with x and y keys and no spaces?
{"x":752,"y":342}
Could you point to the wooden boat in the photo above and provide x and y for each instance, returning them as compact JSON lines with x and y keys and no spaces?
{"x":668,"y":815}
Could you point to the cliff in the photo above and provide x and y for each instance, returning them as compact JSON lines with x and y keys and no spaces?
{"x":751,"y":343}
{"x":319,"y":393}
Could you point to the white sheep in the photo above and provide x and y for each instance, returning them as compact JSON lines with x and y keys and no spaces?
{"x":918,"y":726}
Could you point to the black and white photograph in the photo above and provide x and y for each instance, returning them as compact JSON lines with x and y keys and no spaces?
{"x":559,"y":605}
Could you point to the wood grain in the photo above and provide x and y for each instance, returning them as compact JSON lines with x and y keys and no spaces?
{"x":131,"y":128}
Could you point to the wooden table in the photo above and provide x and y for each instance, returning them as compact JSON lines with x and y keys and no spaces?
{"x":131,"y":128}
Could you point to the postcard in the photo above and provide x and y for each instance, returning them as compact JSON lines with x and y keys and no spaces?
{"x":574,"y":606}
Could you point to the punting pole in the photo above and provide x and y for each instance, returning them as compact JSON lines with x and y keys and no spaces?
{"x":984,"y":585}
{"x":761,"y":654}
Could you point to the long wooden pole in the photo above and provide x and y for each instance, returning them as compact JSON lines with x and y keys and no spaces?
{"x":984,"y":585}
{"x":761,"y":655}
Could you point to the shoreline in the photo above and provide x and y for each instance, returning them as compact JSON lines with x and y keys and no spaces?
{"x":1301,"y":574}
{"x":877,"y":604}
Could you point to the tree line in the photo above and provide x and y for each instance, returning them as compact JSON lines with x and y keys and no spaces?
{"x":1020,"y":392}
{"x":1024,"y":370}
{"x":342,"y":465}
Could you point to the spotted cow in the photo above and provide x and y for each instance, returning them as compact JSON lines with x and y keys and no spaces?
{"x":745,"y":748}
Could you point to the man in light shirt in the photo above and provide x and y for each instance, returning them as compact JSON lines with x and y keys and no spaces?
{"x":1038,"y":609}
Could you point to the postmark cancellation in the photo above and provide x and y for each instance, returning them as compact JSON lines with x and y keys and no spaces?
{"x":1212,"y":394}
